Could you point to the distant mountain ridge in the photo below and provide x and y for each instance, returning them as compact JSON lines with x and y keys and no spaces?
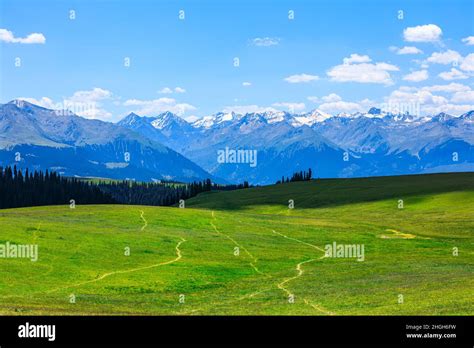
{"x":166,"y":147}
{"x":358,"y":144}
{"x":39,"y":138}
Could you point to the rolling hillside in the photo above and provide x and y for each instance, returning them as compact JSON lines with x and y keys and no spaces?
{"x":245,"y":252}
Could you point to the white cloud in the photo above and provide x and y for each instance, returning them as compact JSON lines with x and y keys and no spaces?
{"x":92,"y":95}
{"x":168,"y":90}
{"x":446,"y":57}
{"x":423,"y":99}
{"x":333,"y":97}
{"x":157,"y":106}
{"x":246,"y":109}
{"x":468,"y":63}
{"x":334,"y":104}
{"x":404,"y":97}
{"x":406,"y":50}
{"x":449,"y":108}
{"x":165,"y":90}
{"x":416,"y":76}
{"x":356,"y":58}
{"x":468,"y":40}
{"x":292,"y":107}
{"x":301,"y":78}
{"x":313,"y":99}
{"x":246,"y":84}
{"x":463,"y":97}
{"x":362,"y":72}
{"x":449,"y":88}
{"x":33,"y":38}
{"x":265,"y":41}
{"x":453,"y":74}
{"x":422,"y":33}
{"x":44,"y":102}
{"x":87,"y":103}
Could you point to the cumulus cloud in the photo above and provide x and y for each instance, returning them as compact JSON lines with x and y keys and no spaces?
{"x":468,"y":40}
{"x":357,"y":68}
{"x":416,"y":76}
{"x":356,"y":58}
{"x":44,"y":102}
{"x":86,"y":103}
{"x":447,"y":57}
{"x":168,"y":90}
{"x":165,"y":90}
{"x":422,"y":33}
{"x":33,"y":38}
{"x":301,"y":78}
{"x":331,"y":98}
{"x":426,"y":101}
{"x":468,"y":63}
{"x":292,"y":107}
{"x":334,"y":104}
{"x":449,"y":88}
{"x":313,"y":99}
{"x":453,"y":74}
{"x":246,"y":109}
{"x":463,"y":97}
{"x":246,"y":84}
{"x":92,"y":95}
{"x":265,"y":41}
{"x":160,"y":105}
{"x":406,"y":50}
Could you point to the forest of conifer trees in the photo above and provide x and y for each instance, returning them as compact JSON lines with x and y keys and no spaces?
{"x":27,"y":189}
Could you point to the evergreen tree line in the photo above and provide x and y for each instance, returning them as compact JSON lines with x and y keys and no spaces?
{"x":297,"y":176}
{"x":163,"y":194}
{"x":27,"y":189}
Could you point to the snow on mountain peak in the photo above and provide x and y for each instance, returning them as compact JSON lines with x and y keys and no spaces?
{"x":166,"y":119}
{"x":308,"y":119}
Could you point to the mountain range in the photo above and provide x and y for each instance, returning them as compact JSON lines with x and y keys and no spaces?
{"x":166,"y":147}
{"x":358,"y":144}
{"x":38,"y":138}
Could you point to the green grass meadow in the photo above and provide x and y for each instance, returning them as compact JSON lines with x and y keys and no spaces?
{"x":245,"y":252}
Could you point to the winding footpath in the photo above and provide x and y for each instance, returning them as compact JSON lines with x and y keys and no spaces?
{"x":254,"y":260}
{"x":105,"y":275}
{"x":142,"y":216}
{"x":300,"y":272}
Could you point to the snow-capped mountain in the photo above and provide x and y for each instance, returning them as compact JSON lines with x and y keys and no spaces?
{"x":168,"y":147}
{"x":358,"y":144}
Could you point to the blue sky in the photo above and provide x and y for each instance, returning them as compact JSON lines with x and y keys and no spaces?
{"x":338,"y":56}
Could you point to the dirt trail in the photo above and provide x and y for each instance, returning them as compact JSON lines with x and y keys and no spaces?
{"x":300,"y":271}
{"x":299,"y":241}
{"x":254,"y":260}
{"x":397,"y":234}
{"x":142,"y":216}
{"x":178,"y":257}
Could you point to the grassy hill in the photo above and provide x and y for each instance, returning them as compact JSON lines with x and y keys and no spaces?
{"x":246,"y":252}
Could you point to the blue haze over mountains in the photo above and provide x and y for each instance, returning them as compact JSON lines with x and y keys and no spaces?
{"x":166,"y":147}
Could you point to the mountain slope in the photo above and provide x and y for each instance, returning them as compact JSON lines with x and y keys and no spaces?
{"x":39,"y":138}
